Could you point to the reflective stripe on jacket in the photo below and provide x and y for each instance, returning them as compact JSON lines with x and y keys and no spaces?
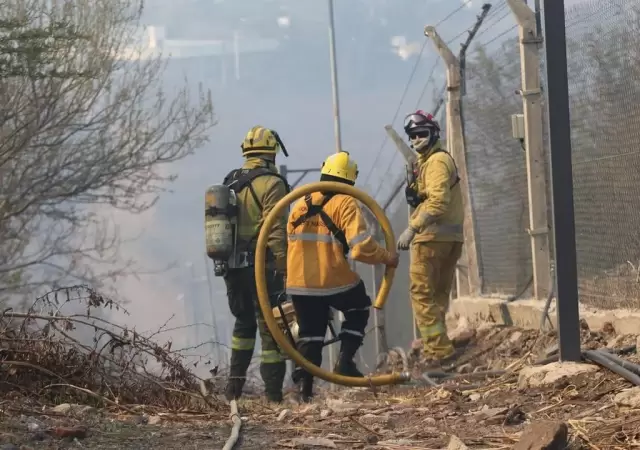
{"x":315,"y":260}
{"x":437,"y":174}
{"x":269,"y":191}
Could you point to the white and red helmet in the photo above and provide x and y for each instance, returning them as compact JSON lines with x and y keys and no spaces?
{"x":422,"y":129}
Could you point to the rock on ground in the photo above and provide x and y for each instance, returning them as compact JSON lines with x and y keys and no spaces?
{"x":456,"y":444}
{"x":543,"y":436}
{"x":629,"y":398}
{"x":536,"y":376}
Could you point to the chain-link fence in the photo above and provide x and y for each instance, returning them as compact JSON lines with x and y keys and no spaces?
{"x":496,"y":167}
{"x":604,"y":82}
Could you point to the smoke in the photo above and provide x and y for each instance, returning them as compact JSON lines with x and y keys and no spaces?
{"x":404,"y":49}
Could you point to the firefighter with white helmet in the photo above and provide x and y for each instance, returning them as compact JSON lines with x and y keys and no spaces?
{"x":434,"y":234}
{"x":323,"y":229}
{"x":235,"y":211}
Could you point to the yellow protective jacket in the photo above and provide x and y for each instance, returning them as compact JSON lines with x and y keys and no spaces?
{"x":316,"y":264}
{"x":437,"y":174}
{"x":269,"y":190}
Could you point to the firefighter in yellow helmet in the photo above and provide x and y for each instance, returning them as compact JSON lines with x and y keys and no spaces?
{"x":324,"y":229}
{"x":258,"y":187}
{"x":434,"y":234}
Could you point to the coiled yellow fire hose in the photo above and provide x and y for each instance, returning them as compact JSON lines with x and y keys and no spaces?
{"x":263,"y":296}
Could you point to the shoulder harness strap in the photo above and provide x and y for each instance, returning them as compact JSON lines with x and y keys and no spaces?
{"x":313,"y":210}
{"x":457,"y":180}
{"x":239,"y":179}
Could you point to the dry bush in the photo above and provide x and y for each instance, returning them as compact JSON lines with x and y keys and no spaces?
{"x":45,"y":356}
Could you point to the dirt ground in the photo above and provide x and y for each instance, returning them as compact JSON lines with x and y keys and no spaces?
{"x":486,"y":412}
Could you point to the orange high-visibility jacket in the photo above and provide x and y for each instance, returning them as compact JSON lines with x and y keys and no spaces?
{"x":316,"y":263}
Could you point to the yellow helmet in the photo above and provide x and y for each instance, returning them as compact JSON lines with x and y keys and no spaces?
{"x":340,"y":165}
{"x":261,"y":140}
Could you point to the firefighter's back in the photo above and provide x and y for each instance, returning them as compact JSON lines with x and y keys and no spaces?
{"x":316,"y":262}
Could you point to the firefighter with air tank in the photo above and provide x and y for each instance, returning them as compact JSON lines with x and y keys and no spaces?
{"x":234,"y":213}
{"x":434,"y":234}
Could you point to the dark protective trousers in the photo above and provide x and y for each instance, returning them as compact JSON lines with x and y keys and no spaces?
{"x":313,"y":318}
{"x":243,"y":302}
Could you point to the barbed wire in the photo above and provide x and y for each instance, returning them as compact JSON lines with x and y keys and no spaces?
{"x":430,"y":80}
{"x":495,"y":38}
{"x":490,"y":26}
{"x":395,"y":116}
{"x":406,"y":89}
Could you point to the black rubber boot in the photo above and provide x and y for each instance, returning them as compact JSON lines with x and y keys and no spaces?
{"x":240,"y":360}
{"x":345,"y":364}
{"x":273,"y":377}
{"x":347,"y":367}
{"x":306,"y":389}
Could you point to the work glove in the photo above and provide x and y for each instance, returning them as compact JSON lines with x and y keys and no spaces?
{"x":404,"y":241}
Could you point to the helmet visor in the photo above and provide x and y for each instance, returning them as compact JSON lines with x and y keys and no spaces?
{"x":413,"y":120}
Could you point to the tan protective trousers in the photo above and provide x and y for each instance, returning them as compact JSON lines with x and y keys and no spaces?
{"x":431,"y":275}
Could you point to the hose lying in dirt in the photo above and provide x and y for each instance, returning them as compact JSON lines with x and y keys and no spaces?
{"x":603,"y":360}
{"x":631,"y":367}
{"x":622,"y":350}
{"x":235,"y":430}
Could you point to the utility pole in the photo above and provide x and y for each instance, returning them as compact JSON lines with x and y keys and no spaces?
{"x":212,"y":309}
{"x":410,"y":156}
{"x":455,"y":143}
{"x":236,"y":53}
{"x":195,"y":299}
{"x":562,"y":181}
{"x":533,"y":142}
{"x":334,"y":79}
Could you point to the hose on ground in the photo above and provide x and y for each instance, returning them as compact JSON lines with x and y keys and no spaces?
{"x":263,"y":296}
{"x":235,"y":429}
{"x":547,"y":304}
{"x":517,"y":296}
{"x":631,"y":367}
{"x":602,"y":360}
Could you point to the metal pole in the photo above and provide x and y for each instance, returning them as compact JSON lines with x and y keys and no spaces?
{"x":555,"y":41}
{"x":334,"y":79}
{"x":215,"y":341}
{"x":536,"y":8}
{"x":236,"y":53}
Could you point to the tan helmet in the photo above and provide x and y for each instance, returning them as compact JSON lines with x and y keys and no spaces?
{"x":260,"y":140}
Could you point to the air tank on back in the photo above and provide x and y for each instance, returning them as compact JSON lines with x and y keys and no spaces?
{"x":220,"y":219}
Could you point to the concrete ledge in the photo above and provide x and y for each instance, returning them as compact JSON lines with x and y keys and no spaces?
{"x":527,"y":314}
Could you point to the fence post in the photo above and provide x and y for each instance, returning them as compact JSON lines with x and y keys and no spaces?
{"x":562,"y":180}
{"x":533,"y":126}
{"x":455,"y":142}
